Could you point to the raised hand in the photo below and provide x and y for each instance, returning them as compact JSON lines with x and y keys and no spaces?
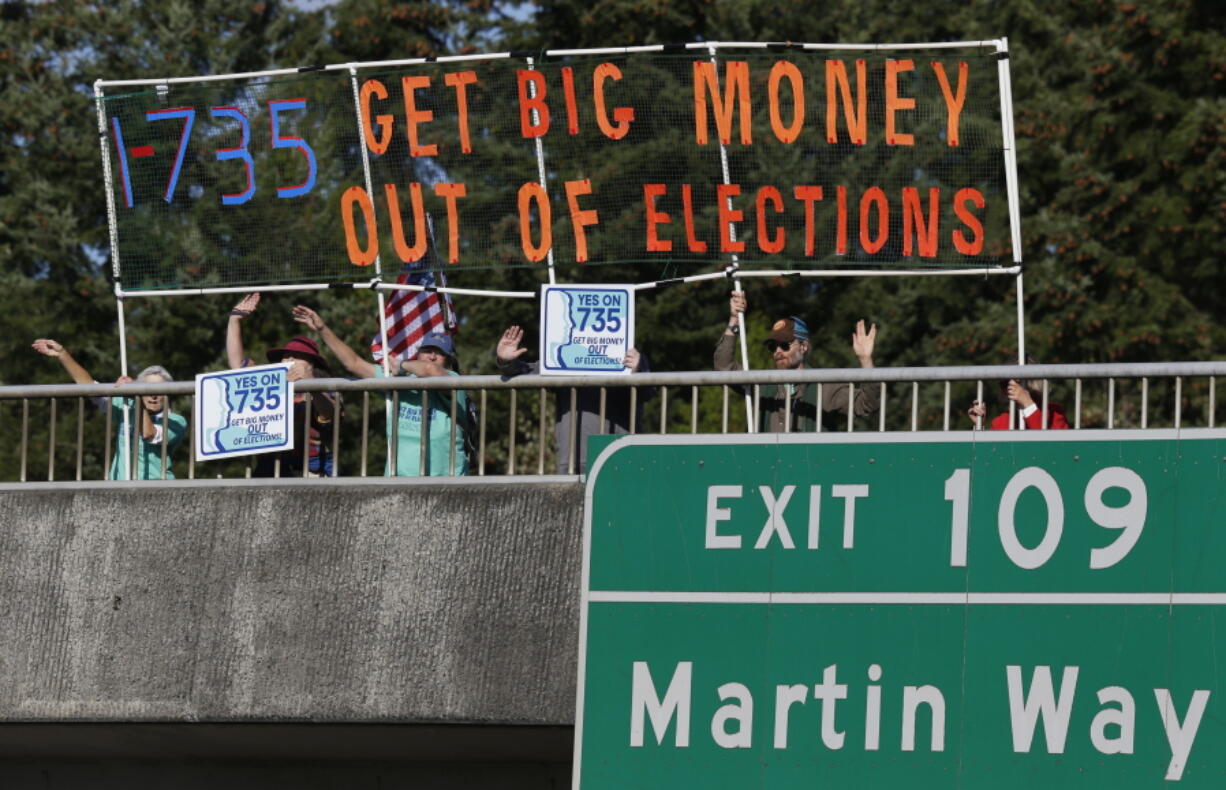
{"x":1019,"y":394}
{"x":305,"y":315}
{"x":977,"y":412}
{"x":47,"y":347}
{"x":246,"y":306}
{"x":737,"y":304}
{"x":862,"y":343}
{"x":508,"y":346}
{"x":632,"y":360}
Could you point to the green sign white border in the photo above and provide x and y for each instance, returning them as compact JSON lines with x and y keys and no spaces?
{"x":586,"y":598}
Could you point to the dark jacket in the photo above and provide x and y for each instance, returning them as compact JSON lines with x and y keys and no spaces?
{"x":773,"y":398}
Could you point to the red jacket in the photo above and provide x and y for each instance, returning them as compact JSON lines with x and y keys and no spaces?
{"x":1055,"y":419}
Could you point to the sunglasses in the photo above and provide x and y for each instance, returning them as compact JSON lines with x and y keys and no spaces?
{"x":771,"y":345}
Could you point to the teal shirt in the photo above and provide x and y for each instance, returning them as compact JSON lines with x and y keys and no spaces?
{"x":438,"y":450}
{"x":148,"y":454}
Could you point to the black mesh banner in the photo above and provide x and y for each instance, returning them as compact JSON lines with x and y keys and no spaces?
{"x":667,"y":161}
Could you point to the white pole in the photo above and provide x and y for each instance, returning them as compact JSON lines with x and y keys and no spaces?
{"x":393,"y":431}
{"x":540,"y":165}
{"x":370,"y":190}
{"x":112,"y":222}
{"x":476,"y":58}
{"x":694,"y":278}
{"x":735,"y":265}
{"x":1011,"y":183}
{"x":123,"y":446}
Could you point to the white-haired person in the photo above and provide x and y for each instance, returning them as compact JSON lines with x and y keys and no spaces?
{"x":157,"y":422}
{"x":435,"y":357}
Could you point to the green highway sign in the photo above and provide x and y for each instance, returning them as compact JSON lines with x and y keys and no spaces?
{"x":962,"y":610}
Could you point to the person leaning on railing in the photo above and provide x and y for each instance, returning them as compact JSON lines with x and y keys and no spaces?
{"x":789,"y":345}
{"x":156,"y":419}
{"x":1026,"y":397}
{"x":435,"y":357}
{"x":305,"y":363}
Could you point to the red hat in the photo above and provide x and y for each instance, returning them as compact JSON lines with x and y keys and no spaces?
{"x":300,"y":347}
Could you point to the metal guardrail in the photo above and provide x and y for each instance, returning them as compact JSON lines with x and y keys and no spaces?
{"x":1103,"y":396}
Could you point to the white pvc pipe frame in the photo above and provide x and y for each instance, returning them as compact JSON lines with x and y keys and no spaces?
{"x":1000,"y":46}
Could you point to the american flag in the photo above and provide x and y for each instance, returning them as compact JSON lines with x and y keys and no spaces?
{"x":411,"y":315}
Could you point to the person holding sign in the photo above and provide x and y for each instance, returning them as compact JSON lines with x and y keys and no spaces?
{"x":789,"y":345}
{"x":590,"y":420}
{"x":305,"y":362}
{"x":445,"y":450}
{"x":157,"y":421}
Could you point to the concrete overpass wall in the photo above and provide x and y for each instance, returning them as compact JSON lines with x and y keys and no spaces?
{"x":429,"y":621}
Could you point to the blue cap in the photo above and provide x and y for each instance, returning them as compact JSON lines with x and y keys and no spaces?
{"x":439,"y":341}
{"x":785,"y":330}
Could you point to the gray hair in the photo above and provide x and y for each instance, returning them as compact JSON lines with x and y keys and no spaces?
{"x":155,"y":370}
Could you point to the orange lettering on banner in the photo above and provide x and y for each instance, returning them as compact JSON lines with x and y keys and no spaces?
{"x":766,"y":243}
{"x":414,"y":116}
{"x":874,"y":196}
{"x":975,"y":245}
{"x":857,"y":118}
{"x":780,"y":71}
{"x":622,"y":115}
{"x":913,"y":221}
{"x":572,"y":107}
{"x":655,"y":217}
{"x":532,"y":192}
{"x":692,"y":242}
{"x":450,"y":192}
{"x":735,"y":97}
{"x":953,"y":103}
{"x":460,"y":80}
{"x":358,"y":255}
{"x":378,"y":144}
{"x":580,"y":218}
{"x":728,"y":215}
{"x":418,"y":250}
{"x":808,"y":195}
{"x":533,"y":112}
{"x":840,"y":244}
{"x":894,"y":102}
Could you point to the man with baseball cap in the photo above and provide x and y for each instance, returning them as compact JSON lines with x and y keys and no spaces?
{"x":788,"y":343}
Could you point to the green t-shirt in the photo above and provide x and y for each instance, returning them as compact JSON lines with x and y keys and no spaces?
{"x":438,"y":450}
{"x":148,"y":453}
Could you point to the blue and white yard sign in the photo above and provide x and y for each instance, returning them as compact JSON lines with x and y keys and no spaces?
{"x":243,"y":412}
{"x":586,"y":330}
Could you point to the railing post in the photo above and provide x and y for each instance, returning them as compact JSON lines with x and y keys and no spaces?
{"x":481,"y":434}
{"x":51,"y":443}
{"x":165,"y":433}
{"x":80,"y":436}
{"x":540,"y":432}
{"x":423,"y":440}
{"x":25,"y":434}
{"x":1077,"y":406}
{"x":511,"y":434}
{"x":365,"y":430}
{"x":306,"y":436}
